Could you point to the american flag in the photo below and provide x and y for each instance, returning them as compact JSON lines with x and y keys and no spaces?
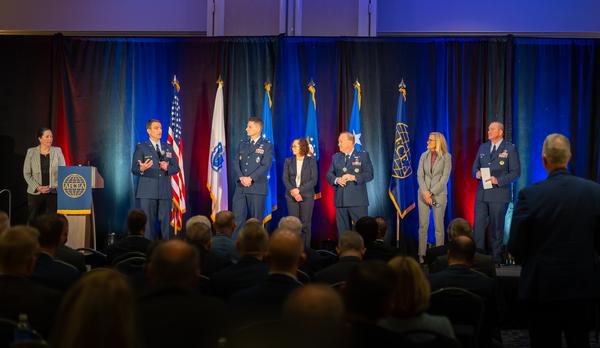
{"x":177,"y":180}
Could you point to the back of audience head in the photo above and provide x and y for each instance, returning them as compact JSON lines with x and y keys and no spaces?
{"x":225,"y":222}
{"x":291,"y":223}
{"x":198,"y":234}
{"x":461,"y":250}
{"x":285,"y":252}
{"x":351,"y":244}
{"x":556,"y":151}
{"x":198,"y":218}
{"x":98,"y":311}
{"x":459,"y":227}
{"x":50,"y":227}
{"x":136,"y":222}
{"x":253,"y":240}
{"x":381,"y":227}
{"x":65,"y":231}
{"x":314,"y":306}
{"x":368,"y":229}
{"x":4,"y":221}
{"x":369,"y":291}
{"x":18,"y":250}
{"x":174,"y":263}
{"x":412,"y":290}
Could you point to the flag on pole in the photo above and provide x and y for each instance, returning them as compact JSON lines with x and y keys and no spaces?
{"x":312,"y":132}
{"x":176,"y":141}
{"x":355,"y":117}
{"x":271,"y":201}
{"x":401,"y":189}
{"x":217,"y":157}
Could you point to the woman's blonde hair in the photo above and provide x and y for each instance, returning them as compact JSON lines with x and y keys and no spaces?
{"x":98,"y":311}
{"x":441,"y":147}
{"x":412,"y":290}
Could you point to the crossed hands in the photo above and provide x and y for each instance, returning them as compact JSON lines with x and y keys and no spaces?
{"x":246,"y":181}
{"x":43,"y":189}
{"x":427,"y":196}
{"x":344,"y":179}
{"x":295,"y":192}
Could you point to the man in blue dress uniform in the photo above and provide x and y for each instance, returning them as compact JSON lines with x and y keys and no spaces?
{"x":349,"y":172}
{"x":502,"y":159}
{"x":154,"y":162}
{"x":250,"y":170}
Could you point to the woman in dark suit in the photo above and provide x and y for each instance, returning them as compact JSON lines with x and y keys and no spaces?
{"x":300,"y":176}
{"x":40,"y":171}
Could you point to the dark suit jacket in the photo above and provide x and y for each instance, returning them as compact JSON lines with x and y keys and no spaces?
{"x":176,"y":317}
{"x":224,"y":245}
{"x":378,"y":250}
{"x":54,"y":273}
{"x":21,"y":295}
{"x":338,"y":272}
{"x":253,"y":161}
{"x":465,"y":278}
{"x":211,"y":262}
{"x":354,"y":194}
{"x":555,"y":234}
{"x":72,"y":257}
{"x":131,"y":243}
{"x":504,"y":165}
{"x":263,"y":301}
{"x":154,"y":183}
{"x":481,"y":263}
{"x":308,"y":177}
{"x":248,"y":272}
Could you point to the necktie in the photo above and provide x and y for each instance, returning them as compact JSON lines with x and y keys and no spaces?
{"x":158,"y":152}
{"x":347,"y":157}
{"x":493,"y":150}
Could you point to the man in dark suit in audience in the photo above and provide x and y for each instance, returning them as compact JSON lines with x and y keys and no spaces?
{"x":67,"y":254}
{"x":222,"y":243}
{"x":459,"y":273}
{"x":135,"y":240}
{"x":172,"y":313}
{"x":555,"y":235}
{"x":48,"y":270}
{"x":313,"y":261}
{"x":250,"y":270}
{"x":265,"y":300}
{"x":351,"y":250}
{"x":368,"y":228}
{"x":199,"y":235}
{"x":437,"y":258}
{"x":18,"y":294}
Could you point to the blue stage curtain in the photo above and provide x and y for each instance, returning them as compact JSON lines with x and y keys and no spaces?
{"x":101,"y":91}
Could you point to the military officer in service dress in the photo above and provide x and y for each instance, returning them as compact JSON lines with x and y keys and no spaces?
{"x":154,"y":162}
{"x":502,"y":159}
{"x":250,"y":170}
{"x":349,"y":173}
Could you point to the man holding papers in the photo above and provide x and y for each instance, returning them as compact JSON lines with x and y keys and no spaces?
{"x":496,"y":166}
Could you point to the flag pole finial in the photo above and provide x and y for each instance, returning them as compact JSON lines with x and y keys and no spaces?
{"x":402,"y":89}
{"x":175,"y":83}
{"x":220,"y":80}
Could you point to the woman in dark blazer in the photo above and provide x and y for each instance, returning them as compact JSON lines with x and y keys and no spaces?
{"x":300,"y":176}
{"x":40,"y":171}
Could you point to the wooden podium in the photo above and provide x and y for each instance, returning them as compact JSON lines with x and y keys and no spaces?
{"x":82,"y":226}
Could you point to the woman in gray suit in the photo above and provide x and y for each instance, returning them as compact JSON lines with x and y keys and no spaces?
{"x":41,"y":174}
{"x":435,"y":165}
{"x":300,"y":176}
